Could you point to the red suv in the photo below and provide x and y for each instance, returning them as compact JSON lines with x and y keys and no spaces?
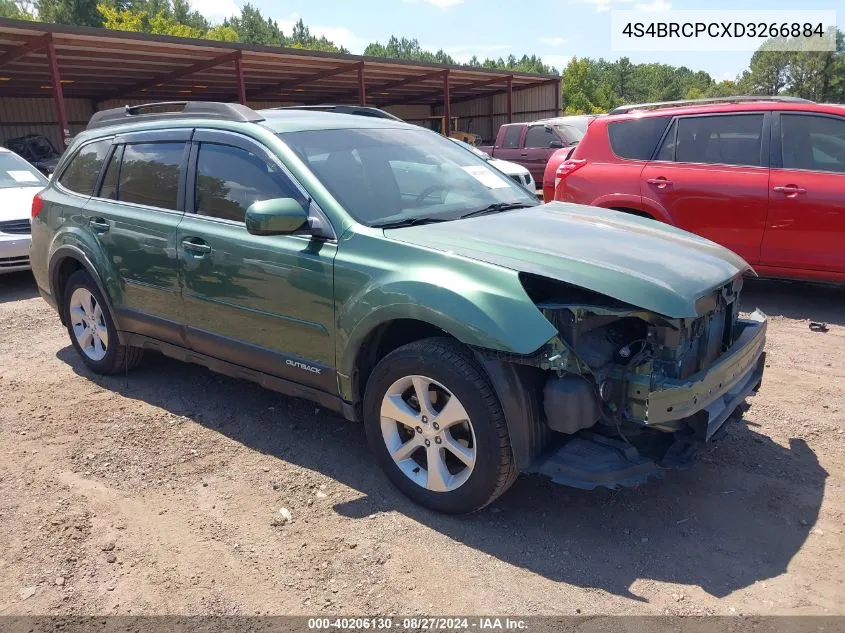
{"x":765,"y":178}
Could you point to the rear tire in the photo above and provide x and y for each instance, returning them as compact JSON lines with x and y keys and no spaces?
{"x":91,"y":329}
{"x":451,"y":453}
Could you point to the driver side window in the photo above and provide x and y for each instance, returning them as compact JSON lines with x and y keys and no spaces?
{"x":231,"y":179}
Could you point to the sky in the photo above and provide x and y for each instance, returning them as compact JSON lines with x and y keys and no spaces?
{"x":556,"y":30}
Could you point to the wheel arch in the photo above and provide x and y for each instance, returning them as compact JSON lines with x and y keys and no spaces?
{"x":65,"y":261}
{"x":518,"y":388}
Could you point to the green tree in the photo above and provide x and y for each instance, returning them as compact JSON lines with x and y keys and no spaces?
{"x":253,"y":28}
{"x":15,"y":10}
{"x":77,"y":12}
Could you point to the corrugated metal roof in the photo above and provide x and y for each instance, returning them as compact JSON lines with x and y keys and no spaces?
{"x":104,"y":65}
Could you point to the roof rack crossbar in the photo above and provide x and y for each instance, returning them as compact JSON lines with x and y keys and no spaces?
{"x":657,"y":105}
{"x":163,"y":110}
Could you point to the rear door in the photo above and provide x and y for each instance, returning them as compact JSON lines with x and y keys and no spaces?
{"x":806,"y":225}
{"x":133,"y":216}
{"x":711,"y":176}
{"x":263,"y":302}
{"x":541,"y":141}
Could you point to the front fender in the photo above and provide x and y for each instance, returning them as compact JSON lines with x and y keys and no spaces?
{"x":497,"y":317}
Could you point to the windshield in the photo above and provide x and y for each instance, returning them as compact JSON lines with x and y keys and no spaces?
{"x":16,"y":172}
{"x":386,"y":175}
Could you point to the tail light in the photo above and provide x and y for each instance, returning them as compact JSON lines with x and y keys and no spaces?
{"x":37,"y":205}
{"x":567,"y":168}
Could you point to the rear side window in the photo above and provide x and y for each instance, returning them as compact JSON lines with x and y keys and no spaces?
{"x":816,"y":143}
{"x":734,"y":139}
{"x":230,"y":179}
{"x":80,"y":175}
{"x":540,"y":136}
{"x":512,"y":136}
{"x":636,"y":138}
{"x":149,"y":174}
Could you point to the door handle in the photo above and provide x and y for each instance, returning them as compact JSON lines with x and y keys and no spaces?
{"x":789,"y":190}
{"x":524,"y":154}
{"x":660,"y":182}
{"x":196,"y":246}
{"x":100,"y":225}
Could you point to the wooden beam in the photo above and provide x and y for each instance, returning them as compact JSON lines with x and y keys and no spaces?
{"x":362,"y":88}
{"x":32,"y":45}
{"x":434,"y":93}
{"x":543,"y":82}
{"x":398,"y":83}
{"x":509,"y":89}
{"x":239,"y":73}
{"x":447,"y":104}
{"x":58,"y":95}
{"x":176,"y":74}
{"x":289,"y":84}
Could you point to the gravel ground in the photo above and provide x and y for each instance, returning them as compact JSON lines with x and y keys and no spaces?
{"x":159,"y":493}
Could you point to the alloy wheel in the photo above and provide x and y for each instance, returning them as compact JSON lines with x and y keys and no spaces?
{"x":88,"y":323}
{"x":428,"y":433}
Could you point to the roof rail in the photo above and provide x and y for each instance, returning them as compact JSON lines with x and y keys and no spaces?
{"x":174,"y":110}
{"x":657,"y":105}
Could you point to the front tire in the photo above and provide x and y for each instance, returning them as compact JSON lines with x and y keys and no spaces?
{"x":437,"y":427}
{"x":91,"y":330}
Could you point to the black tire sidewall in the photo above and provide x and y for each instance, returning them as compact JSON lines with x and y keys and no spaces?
{"x":107,"y":364}
{"x":482,"y":485}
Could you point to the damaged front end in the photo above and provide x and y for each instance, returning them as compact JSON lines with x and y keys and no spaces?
{"x":629,"y":392}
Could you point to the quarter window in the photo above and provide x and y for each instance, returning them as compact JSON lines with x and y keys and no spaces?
{"x":231,"y":179}
{"x":149,"y":174}
{"x":727,"y":140}
{"x":80,"y":176}
{"x":816,"y":143}
{"x":636,"y":138}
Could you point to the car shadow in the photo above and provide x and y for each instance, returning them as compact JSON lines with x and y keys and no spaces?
{"x":736,"y":518}
{"x":796,"y":300}
{"x":17,"y":286}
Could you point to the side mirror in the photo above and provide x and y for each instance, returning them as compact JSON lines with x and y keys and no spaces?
{"x":556,"y":144}
{"x":279,"y":216}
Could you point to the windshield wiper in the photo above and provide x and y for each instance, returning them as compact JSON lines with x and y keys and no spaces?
{"x":497,"y":208}
{"x":397,"y":224}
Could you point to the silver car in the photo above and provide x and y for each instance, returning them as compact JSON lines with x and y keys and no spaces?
{"x":19,"y":182}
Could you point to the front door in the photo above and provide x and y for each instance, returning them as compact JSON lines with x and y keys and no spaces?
{"x":541,"y":141}
{"x":806,"y":227}
{"x":134,"y":216}
{"x":263,"y":302}
{"x":711,"y":176}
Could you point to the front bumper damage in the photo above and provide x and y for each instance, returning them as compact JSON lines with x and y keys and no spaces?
{"x":679,"y":418}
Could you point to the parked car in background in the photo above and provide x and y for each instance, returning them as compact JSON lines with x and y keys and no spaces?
{"x":36,"y":149}
{"x":515,"y":172}
{"x":19,"y":182}
{"x":532,"y":144}
{"x":763,"y":176}
{"x":391,"y":276}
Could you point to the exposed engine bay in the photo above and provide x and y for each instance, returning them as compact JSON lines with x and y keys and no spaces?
{"x":635,"y":383}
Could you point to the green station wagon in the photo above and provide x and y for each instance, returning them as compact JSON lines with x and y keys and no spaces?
{"x":389,"y":275}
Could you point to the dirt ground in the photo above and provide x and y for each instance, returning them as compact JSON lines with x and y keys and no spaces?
{"x":158,"y":493}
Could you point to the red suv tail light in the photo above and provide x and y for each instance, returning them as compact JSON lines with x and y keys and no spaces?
{"x":37,"y":205}
{"x":567,"y":168}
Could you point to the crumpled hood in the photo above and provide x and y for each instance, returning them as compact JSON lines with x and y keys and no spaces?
{"x":642,"y":262}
